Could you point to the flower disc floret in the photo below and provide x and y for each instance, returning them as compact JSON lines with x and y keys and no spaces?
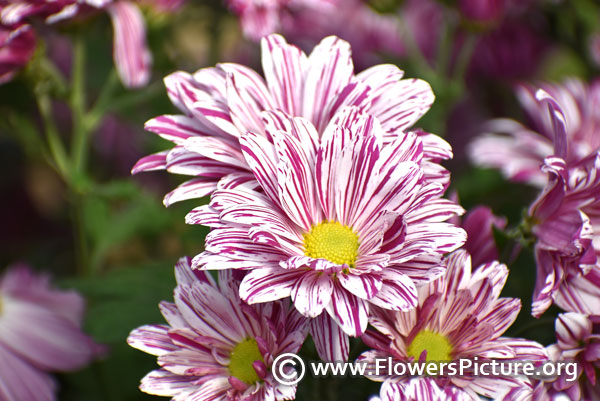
{"x":241,"y":359}
{"x":437,"y":345}
{"x":332,"y":241}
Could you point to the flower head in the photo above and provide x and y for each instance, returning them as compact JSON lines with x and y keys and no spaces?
{"x":341,"y":222}
{"x":130,"y":51}
{"x":40,"y":332}
{"x":519,"y":150}
{"x":459,"y":316}
{"x":578,"y":340}
{"x":215,"y":347}
{"x":222,"y":103}
{"x":565,"y":219}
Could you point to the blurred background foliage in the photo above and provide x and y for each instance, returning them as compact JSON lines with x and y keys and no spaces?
{"x":107,"y":234}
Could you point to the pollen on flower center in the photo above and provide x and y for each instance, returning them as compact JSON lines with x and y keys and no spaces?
{"x":241,"y":359}
{"x":332,"y":241}
{"x":437,"y":345}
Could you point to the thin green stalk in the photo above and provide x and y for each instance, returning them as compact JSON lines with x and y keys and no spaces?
{"x":444,"y":49}
{"x":134,"y":98}
{"x":414,"y":51}
{"x":57,"y":149}
{"x":80,"y":235}
{"x":102,"y":104}
{"x":464,"y":57}
{"x":78,"y":106}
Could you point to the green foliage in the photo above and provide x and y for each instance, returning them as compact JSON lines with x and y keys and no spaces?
{"x":119,"y":301}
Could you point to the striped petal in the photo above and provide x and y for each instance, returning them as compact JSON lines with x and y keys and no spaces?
{"x":152,"y":339}
{"x":284,"y":67}
{"x":268,"y":284}
{"x":348,"y":311}
{"x":403,"y":104}
{"x":398,"y":291}
{"x":166,"y":384}
{"x":176,"y":128}
{"x":312,"y":293}
{"x":196,"y":188}
{"x":131,"y":54}
{"x":331,"y":342}
{"x":330,"y":69}
{"x":153,"y":162}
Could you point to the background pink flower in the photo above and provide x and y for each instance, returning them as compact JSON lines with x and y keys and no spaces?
{"x":40,"y":332}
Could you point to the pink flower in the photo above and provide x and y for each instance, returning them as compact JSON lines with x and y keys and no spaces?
{"x":479,"y":223}
{"x":565,"y":219}
{"x":132,"y":57}
{"x":17,"y":46}
{"x":215,"y":347}
{"x":306,"y":22}
{"x":222,"y":103}
{"x":40,"y":332}
{"x":482,"y":11}
{"x":594,"y":48}
{"x":459,"y":316}
{"x":567,"y":260}
{"x":342,"y":223}
{"x":578,"y":340}
{"x":519,"y":150}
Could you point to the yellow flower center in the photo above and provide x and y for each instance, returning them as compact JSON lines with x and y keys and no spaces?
{"x":437,"y":345}
{"x":241,"y":359}
{"x":332,"y":241}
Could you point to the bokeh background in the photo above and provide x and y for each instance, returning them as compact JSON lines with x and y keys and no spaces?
{"x":107,"y":234}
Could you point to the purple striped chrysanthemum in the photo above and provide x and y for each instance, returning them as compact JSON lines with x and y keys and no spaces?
{"x":565,"y":221}
{"x":215,"y":347}
{"x":40,"y":332}
{"x":342,"y":221}
{"x":130,"y":51}
{"x":459,"y":316}
{"x":222,"y":103}
{"x":519,"y":150}
{"x":578,"y":340}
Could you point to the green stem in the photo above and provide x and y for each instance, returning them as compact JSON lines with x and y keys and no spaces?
{"x":80,"y":235}
{"x":77,"y":103}
{"x":102,"y":104}
{"x":414,"y":51}
{"x":80,"y":149}
{"x":57,"y":149}
{"x":135,"y":98}
{"x":464,"y":57}
{"x":444,"y":50}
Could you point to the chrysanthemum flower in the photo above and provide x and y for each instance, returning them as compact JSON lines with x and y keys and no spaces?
{"x":40,"y":332}
{"x":215,"y":347}
{"x":306,"y":22}
{"x":459,"y":316}
{"x":565,"y":220}
{"x":341,"y":223}
{"x":578,"y":341}
{"x":130,"y":51}
{"x":221,"y":104}
{"x":420,"y":389}
{"x":519,"y":150}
